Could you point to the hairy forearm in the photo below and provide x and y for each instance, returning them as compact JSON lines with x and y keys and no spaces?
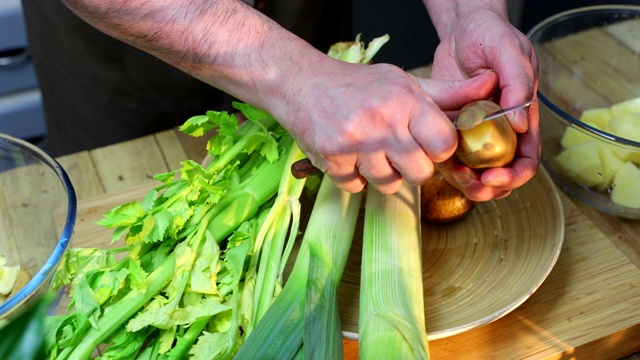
{"x":444,"y":13}
{"x":223,"y":42}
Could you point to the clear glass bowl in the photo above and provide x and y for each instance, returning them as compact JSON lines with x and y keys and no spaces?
{"x":589,"y":59}
{"x":37,"y":217}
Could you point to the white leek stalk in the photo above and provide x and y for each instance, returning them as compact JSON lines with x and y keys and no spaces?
{"x":391,"y":322}
{"x":279,"y":334}
{"x":329,"y":249}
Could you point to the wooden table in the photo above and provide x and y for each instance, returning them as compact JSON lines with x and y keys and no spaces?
{"x":588,"y":307}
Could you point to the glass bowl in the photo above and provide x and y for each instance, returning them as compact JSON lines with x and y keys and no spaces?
{"x":589,"y":91}
{"x":37,"y":217}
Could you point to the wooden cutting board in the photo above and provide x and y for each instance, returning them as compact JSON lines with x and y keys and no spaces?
{"x":589,"y":305}
{"x":479,"y":268}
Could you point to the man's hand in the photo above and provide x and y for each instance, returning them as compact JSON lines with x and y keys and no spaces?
{"x":476,"y":37}
{"x":375,"y":123}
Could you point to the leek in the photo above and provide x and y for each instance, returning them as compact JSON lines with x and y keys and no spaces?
{"x":304,"y":320}
{"x":307,"y":300}
{"x":282,"y":224}
{"x":328,"y":251}
{"x":391,"y":323}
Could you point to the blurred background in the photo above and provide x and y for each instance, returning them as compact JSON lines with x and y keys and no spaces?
{"x":413,"y":39}
{"x":413,"y":42}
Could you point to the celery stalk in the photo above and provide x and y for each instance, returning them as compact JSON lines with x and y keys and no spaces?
{"x":121,"y":311}
{"x":176,"y":279}
{"x":280,"y":228}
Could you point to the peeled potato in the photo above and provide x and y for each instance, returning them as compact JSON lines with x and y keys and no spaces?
{"x":22,"y":280}
{"x":484,"y":144}
{"x":441,"y":202}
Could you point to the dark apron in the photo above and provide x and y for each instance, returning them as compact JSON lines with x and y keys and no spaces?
{"x":98,"y":91}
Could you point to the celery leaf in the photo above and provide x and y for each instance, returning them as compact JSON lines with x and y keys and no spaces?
{"x":123,"y":215}
{"x":198,"y":125}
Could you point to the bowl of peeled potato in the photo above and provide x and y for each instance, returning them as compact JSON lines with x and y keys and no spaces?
{"x":589,"y":92}
{"x":37,"y":217}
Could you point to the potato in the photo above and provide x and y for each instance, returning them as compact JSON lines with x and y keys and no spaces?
{"x":484,"y":144}
{"x":8,"y":276}
{"x":625,"y":186}
{"x":582,"y":164}
{"x":625,"y":107}
{"x":441,"y":202}
{"x":610,"y":164}
{"x":600,"y":165}
{"x":626,"y":126}
{"x":573,"y":136}
{"x":597,"y":117}
{"x":627,"y":174}
{"x":23,"y":278}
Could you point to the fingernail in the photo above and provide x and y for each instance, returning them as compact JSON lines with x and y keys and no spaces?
{"x":520,"y":119}
{"x":462,"y":179}
{"x":496,"y":183}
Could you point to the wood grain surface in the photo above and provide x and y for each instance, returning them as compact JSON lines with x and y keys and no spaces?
{"x":588,"y":307}
{"x":480,"y":268}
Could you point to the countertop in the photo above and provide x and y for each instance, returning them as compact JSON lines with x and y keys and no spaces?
{"x":588,"y":307}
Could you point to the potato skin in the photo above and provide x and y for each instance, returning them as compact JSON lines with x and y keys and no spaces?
{"x":441,"y":202}
{"x":485,"y":144}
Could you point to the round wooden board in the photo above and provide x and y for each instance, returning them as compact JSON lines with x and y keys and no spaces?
{"x":480,"y":268}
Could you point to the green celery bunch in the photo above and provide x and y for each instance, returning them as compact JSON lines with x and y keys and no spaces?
{"x":203,"y":254}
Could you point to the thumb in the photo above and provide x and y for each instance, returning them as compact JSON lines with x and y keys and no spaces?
{"x":453,"y":95}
